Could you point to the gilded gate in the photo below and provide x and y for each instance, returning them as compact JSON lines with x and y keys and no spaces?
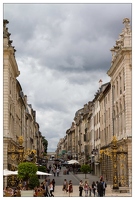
{"x":118,"y":153}
{"x":122,"y":159}
{"x":15,"y":156}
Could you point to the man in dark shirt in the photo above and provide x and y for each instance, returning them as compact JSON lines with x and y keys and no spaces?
{"x":100,"y":188}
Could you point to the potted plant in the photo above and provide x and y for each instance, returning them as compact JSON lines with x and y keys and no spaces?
{"x":25,"y":171}
{"x":33,"y":182}
{"x":85,"y":169}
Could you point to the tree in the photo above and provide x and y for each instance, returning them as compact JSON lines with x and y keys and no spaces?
{"x":45,"y":144}
{"x":42,"y":168}
{"x":85,"y":169}
{"x":33,"y":182}
{"x":26,"y":170}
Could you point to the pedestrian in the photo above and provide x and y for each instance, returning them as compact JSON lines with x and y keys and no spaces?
{"x":43,"y":186}
{"x":104,"y":187}
{"x":80,"y":188}
{"x":67,"y":171}
{"x":90,"y":189}
{"x":53,"y":182}
{"x":54,"y":171}
{"x":51,"y":189}
{"x":94,"y":188}
{"x":97,"y":189}
{"x":47,"y":188}
{"x":65,"y":186}
{"x":48,"y":181}
{"x":86,"y":188}
{"x":50,"y":168}
{"x":57,"y":170}
{"x":101,"y":178}
{"x":70,"y":188}
{"x":100,"y":188}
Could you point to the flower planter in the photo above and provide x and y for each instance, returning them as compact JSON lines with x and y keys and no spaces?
{"x":27,"y":193}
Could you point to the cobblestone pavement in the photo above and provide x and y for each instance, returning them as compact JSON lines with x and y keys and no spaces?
{"x":75,"y":180}
{"x":59,"y":193}
{"x":109,"y":191}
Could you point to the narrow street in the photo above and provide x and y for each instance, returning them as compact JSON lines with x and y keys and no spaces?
{"x":75,"y":181}
{"x":59,"y":179}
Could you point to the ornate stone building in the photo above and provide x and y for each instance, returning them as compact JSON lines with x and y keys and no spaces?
{"x":103,"y":131}
{"x":10,"y":113}
{"x":120,"y":73}
{"x":61,"y":151}
{"x":20,"y":129}
{"x":105,"y":136}
{"x":71,"y":141}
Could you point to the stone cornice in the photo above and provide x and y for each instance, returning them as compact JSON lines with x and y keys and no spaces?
{"x":119,"y":58}
{"x":12,"y":59}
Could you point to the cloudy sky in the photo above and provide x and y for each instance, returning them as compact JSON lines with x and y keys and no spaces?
{"x":63,"y":50}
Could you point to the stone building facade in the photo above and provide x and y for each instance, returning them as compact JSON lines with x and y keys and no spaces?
{"x":21,"y":132}
{"x":120,"y":73}
{"x":108,"y":122}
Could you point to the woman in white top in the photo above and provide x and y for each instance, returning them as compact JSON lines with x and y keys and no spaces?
{"x":51,"y":189}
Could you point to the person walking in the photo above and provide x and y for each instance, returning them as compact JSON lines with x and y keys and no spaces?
{"x":54,"y":171}
{"x":57,"y":170}
{"x":90,"y":189}
{"x":80,"y":188}
{"x":97,"y":189}
{"x":65,"y":186}
{"x":51,"y":189}
{"x":53,"y":182}
{"x":94,"y":188}
{"x":43,"y":186}
{"x":50,"y":168}
{"x":86,"y":188}
{"x":70,"y":188}
{"x":100,"y":188}
{"x":46,"y":185}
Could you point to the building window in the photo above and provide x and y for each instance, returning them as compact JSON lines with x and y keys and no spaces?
{"x":108,"y":96}
{"x":120,"y":90}
{"x":123,"y":80}
{"x":120,"y":86}
{"x":117,"y":88}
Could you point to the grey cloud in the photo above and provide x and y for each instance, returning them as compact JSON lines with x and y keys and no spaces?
{"x":62,"y":52}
